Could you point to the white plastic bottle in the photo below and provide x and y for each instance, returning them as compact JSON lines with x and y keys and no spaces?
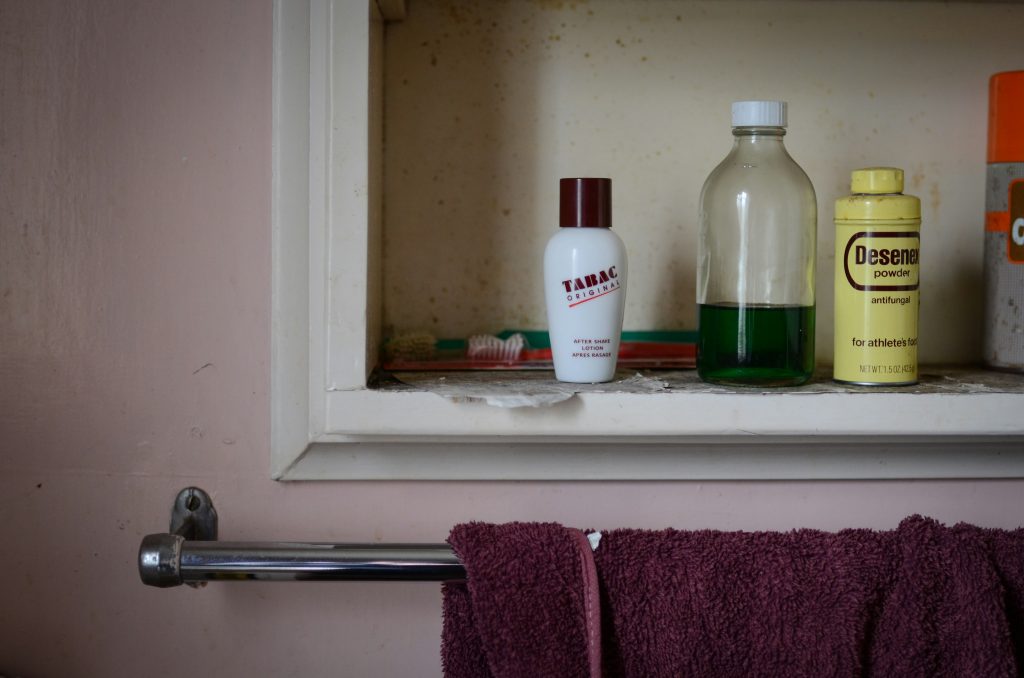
{"x":585,"y":284}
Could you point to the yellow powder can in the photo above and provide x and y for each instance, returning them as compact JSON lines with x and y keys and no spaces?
{"x":877,"y":276}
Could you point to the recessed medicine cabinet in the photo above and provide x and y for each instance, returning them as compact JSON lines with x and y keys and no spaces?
{"x":417,"y":151}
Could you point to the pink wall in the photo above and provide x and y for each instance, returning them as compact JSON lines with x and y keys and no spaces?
{"x":134,"y":316}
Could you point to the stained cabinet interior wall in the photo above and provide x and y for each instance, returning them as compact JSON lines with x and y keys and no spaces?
{"x":487,"y":104}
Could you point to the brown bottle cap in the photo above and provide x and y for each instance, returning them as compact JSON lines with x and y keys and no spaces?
{"x":585,"y":203}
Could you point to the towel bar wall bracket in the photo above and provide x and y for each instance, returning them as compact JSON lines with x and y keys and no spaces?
{"x":193,"y":517}
{"x":190,"y":554}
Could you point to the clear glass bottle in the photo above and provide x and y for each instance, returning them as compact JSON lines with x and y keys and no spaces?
{"x":755,"y":274}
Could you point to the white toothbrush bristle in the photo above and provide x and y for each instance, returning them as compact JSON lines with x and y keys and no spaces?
{"x":488,"y":347}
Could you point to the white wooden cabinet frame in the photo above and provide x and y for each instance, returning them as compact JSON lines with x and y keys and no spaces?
{"x":326,"y":423}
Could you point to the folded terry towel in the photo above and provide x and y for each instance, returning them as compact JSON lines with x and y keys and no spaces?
{"x":923,"y":600}
{"x":708,"y":603}
{"x":529,"y":606}
{"x":1006,"y":552}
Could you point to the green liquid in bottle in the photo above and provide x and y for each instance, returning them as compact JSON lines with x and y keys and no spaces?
{"x":756,"y":345}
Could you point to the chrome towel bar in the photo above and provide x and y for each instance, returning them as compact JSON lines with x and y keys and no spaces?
{"x":190,"y":554}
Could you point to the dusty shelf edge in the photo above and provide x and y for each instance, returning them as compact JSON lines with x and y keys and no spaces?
{"x":954,"y":401}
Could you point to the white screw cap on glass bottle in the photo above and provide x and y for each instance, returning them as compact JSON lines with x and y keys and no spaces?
{"x":585,"y":284}
{"x":759,"y":114}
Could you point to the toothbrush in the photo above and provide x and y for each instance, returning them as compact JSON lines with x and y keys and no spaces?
{"x":420,"y":351}
{"x":486,"y":347}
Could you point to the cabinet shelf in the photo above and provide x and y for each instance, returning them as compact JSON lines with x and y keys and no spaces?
{"x":677,"y":406}
{"x":958,"y":422}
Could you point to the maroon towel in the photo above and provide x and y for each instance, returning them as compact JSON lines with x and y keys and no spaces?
{"x":529,"y":607}
{"x":923,"y":600}
{"x":712,"y":603}
{"x":1006,"y":550}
